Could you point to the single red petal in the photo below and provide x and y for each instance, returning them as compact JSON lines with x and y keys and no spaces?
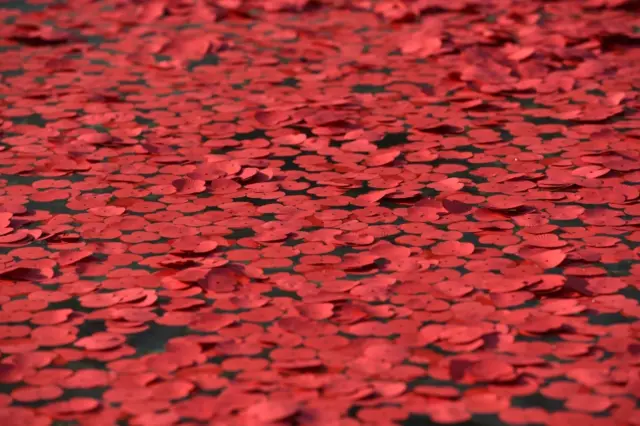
{"x":107,"y":211}
{"x":548,"y":259}
{"x":588,"y":403}
{"x":273,"y":410}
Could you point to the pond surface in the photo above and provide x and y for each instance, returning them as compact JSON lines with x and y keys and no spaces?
{"x":319,"y":212}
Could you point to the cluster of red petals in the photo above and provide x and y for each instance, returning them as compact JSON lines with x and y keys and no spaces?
{"x":319,"y":212}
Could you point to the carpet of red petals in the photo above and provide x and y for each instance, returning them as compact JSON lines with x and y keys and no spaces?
{"x":327,"y":213}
